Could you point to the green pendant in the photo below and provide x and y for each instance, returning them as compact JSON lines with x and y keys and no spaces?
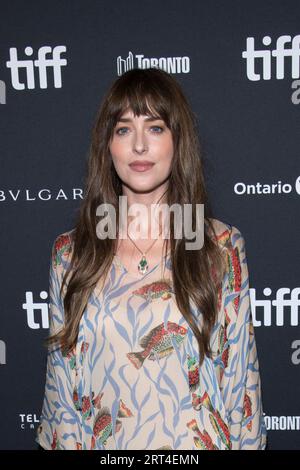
{"x":143,"y":265}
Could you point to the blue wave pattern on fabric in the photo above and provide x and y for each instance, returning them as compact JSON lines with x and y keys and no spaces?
{"x":133,"y":380}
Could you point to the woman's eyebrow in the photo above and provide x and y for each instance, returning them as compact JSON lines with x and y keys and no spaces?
{"x":150,"y":118}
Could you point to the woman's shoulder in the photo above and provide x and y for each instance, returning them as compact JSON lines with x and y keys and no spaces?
{"x":222,"y":231}
{"x":227,"y":236}
{"x":232,"y":245}
{"x":62,"y":247}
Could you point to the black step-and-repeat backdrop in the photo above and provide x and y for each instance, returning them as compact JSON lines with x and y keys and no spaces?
{"x":239,"y":64}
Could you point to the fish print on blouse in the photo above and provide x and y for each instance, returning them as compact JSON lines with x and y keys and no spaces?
{"x":71,"y":355}
{"x":202,"y":439}
{"x":247,"y":411}
{"x":155,"y":290}
{"x":193,"y":372}
{"x":234,"y":268}
{"x":83,"y":350}
{"x":218,"y":424}
{"x":158,"y":343}
{"x":63,"y":248}
{"x":55,"y":445}
{"x":103,"y":426}
{"x":223,"y":344}
{"x":170,"y":404}
{"x":85,"y":404}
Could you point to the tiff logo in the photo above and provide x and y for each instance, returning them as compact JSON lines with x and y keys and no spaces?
{"x":31,"y":307}
{"x":286,"y":305}
{"x":280,"y":52}
{"x":42,"y":63}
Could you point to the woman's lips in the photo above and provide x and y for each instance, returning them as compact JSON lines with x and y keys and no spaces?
{"x":141,"y":166}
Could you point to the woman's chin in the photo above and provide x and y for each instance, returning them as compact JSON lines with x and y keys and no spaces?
{"x":142,"y":186}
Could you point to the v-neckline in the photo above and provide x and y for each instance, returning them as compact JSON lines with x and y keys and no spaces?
{"x":141,"y":277}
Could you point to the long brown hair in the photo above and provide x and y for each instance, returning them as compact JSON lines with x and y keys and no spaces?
{"x":196,"y":274}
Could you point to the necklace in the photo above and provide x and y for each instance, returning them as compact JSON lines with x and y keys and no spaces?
{"x":143,"y":265}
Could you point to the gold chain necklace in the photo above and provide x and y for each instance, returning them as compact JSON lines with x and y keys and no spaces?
{"x":143,"y":265}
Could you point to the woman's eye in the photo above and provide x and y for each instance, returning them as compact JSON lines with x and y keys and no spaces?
{"x":158,"y":127}
{"x":158,"y":130}
{"x":120,"y":129}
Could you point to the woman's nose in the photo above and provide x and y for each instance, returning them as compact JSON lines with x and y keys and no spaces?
{"x":140,"y":143}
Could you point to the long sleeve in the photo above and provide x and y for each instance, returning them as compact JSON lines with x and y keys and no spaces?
{"x":59,"y":422}
{"x":240,"y":383}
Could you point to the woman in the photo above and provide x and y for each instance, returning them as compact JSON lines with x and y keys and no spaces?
{"x":152,"y":345}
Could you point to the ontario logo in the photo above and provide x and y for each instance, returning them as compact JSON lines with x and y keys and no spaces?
{"x":266,"y":189}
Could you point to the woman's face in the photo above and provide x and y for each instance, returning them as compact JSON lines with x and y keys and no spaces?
{"x":139,"y":139}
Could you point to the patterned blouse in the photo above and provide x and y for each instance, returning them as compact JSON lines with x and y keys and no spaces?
{"x":133,"y":380}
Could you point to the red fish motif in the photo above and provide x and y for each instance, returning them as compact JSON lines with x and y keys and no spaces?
{"x":124,"y":412}
{"x":224,"y":347}
{"x":234,"y":275}
{"x":158,"y":343}
{"x":55,"y":445}
{"x":193,"y":372}
{"x":196,"y":401}
{"x":102,"y":429}
{"x":86,"y":407}
{"x":83,"y":351}
{"x":71,"y":358}
{"x":247,"y":410}
{"x":223,"y":238}
{"x":76,"y":399}
{"x":217,"y":422}
{"x":154,"y":290}
{"x":202,"y":440}
{"x":62,"y":247}
{"x":85,"y":404}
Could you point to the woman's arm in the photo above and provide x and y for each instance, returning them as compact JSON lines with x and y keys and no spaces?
{"x":240,"y":383}
{"x":60,"y":422}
